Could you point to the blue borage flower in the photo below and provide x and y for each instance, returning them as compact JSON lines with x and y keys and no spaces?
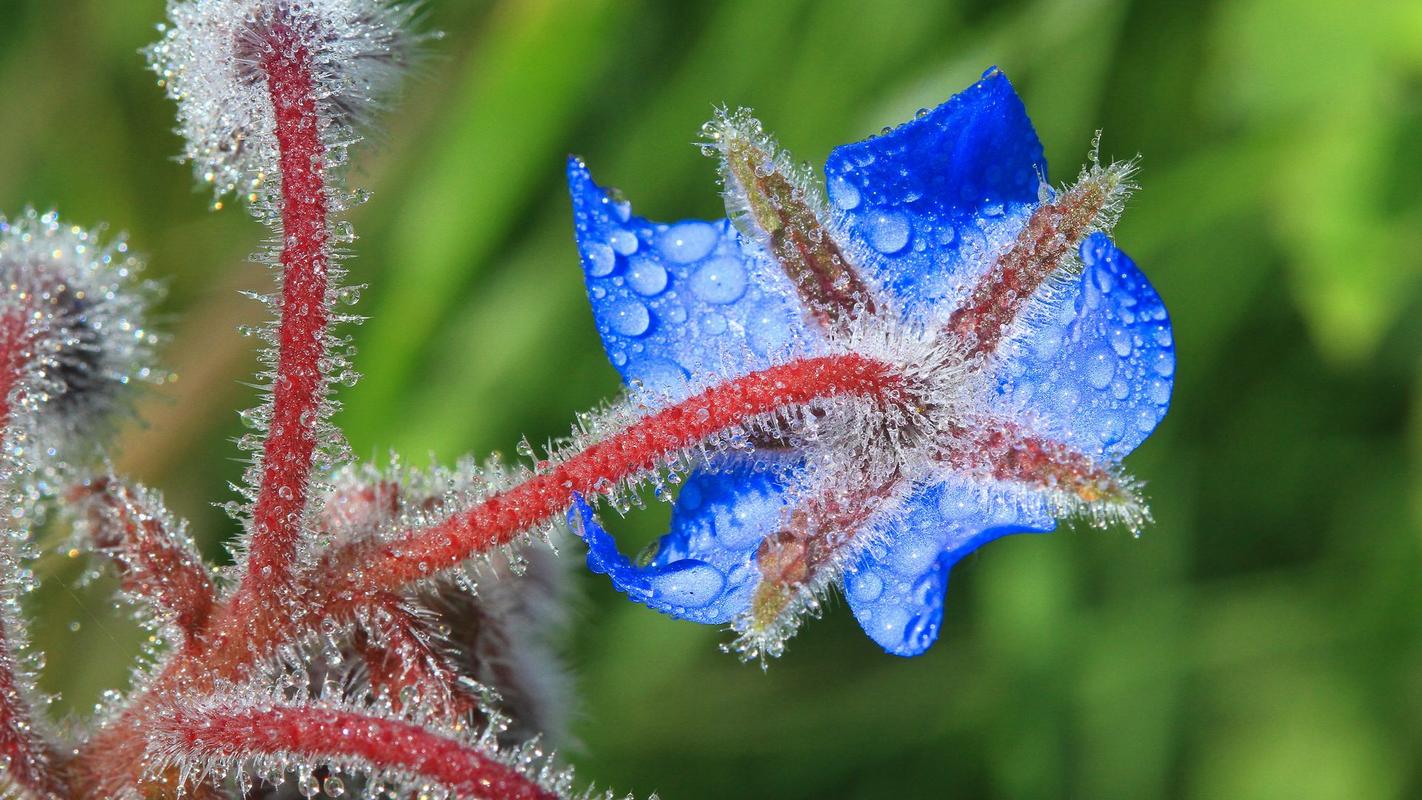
{"x":939,"y":246}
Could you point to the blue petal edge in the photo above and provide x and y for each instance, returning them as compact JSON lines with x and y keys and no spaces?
{"x":1097,"y":367}
{"x":704,"y":569}
{"x":897,"y":592}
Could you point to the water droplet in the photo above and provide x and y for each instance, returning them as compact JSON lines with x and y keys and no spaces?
{"x":1121,"y":341}
{"x":1146,"y":420}
{"x":623,"y":241}
{"x":599,"y":258}
{"x":888,"y":232}
{"x":659,"y":376}
{"x":1112,"y":428}
{"x":1100,"y":368}
{"x":1164,"y":364}
{"x":630,"y":318}
{"x":721,"y":280}
{"x":767,"y":328}
{"x":686,"y":242}
{"x":1159,"y":392}
{"x":843,"y":194}
{"x":865,"y":587}
{"x":334,"y":787}
{"x":689,"y":584}
{"x":713,"y":324}
{"x":911,"y":558}
{"x":647,"y":278}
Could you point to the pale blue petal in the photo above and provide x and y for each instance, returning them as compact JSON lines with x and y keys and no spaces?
{"x":896,"y":592}
{"x":679,"y":301}
{"x":1098,"y":366}
{"x":934,"y":197}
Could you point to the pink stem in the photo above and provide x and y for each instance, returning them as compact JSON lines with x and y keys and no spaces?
{"x":153,"y":562}
{"x":634,"y":450}
{"x":25,"y":758}
{"x":317,"y":734}
{"x":15,"y":341}
{"x":300,"y":385}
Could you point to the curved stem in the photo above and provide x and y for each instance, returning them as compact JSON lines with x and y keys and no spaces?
{"x":300,"y":386}
{"x":636,"y":449}
{"x":318,"y":733}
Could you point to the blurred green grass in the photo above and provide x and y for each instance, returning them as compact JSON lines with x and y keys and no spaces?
{"x":1262,"y":640}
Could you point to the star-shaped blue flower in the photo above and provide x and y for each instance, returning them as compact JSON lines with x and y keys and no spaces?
{"x":925,"y":229}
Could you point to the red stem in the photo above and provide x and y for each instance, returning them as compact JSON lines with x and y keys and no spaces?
{"x":26,"y":759}
{"x":364,"y":575}
{"x":300,"y":383}
{"x":153,"y":562}
{"x":319,"y":734}
{"x":15,"y":342}
{"x":25,"y":756}
{"x":636,"y":449}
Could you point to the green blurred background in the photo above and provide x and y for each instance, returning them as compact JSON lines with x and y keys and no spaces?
{"x":1262,"y":640}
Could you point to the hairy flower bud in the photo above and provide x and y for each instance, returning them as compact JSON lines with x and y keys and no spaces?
{"x":74,"y":334}
{"x":214,"y":60}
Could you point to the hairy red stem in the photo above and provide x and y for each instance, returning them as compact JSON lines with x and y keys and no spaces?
{"x":300,"y":386}
{"x":14,"y":344}
{"x":25,"y":758}
{"x":364,"y":575}
{"x":318,"y":734}
{"x":153,"y":562}
{"x":636,"y":449}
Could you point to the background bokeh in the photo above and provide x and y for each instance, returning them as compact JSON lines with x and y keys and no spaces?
{"x":1262,"y":640}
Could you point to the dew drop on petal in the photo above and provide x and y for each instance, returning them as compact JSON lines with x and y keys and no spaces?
{"x":1159,"y":392}
{"x":646,"y":278}
{"x":721,"y":280}
{"x":843,"y":194}
{"x":630,"y":318}
{"x":623,"y":241}
{"x":888,"y":232}
{"x":713,"y":324}
{"x":1164,"y":364}
{"x":1147,"y":419}
{"x":600,"y":259}
{"x":1100,"y":368}
{"x":689,"y":584}
{"x":865,"y":587}
{"x":1120,"y":341}
{"x":767,"y":329}
{"x":658,"y":375}
{"x":686,"y":242}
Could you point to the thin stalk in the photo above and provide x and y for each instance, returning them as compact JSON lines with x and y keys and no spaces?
{"x":300,"y":386}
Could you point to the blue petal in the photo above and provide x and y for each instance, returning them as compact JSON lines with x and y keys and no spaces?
{"x":897,"y":592}
{"x":936,"y":194}
{"x":1098,"y":366}
{"x":672,"y":302}
{"x":704,"y":569}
